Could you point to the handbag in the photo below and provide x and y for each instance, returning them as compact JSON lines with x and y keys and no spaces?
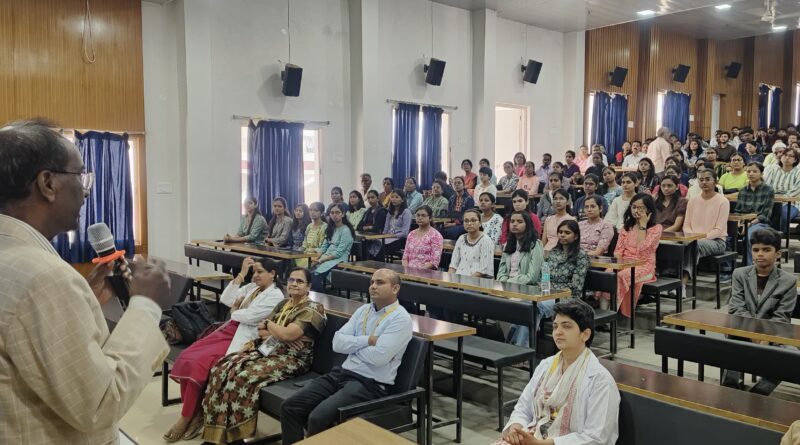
{"x":191,"y":318}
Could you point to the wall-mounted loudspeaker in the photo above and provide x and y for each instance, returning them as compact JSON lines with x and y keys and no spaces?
{"x":434,"y":71}
{"x":531,"y":71}
{"x":679,"y":74}
{"x":732,"y":70}
{"x":617,"y":77}
{"x":291,"y":77}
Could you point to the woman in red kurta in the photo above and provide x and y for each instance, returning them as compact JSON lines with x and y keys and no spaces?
{"x":638,"y":240}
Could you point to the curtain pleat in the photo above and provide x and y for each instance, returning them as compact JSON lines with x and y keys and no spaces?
{"x":275,"y":153}
{"x":676,"y":113}
{"x":431,"y":145}
{"x":610,"y":122}
{"x":404,"y":152}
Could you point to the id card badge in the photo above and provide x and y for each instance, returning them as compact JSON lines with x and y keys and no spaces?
{"x":268,"y":346}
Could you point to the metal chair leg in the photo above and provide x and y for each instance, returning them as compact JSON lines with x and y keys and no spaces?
{"x":500,"y":417}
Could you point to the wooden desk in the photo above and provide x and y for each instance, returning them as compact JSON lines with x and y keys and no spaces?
{"x":374,"y":236}
{"x":431,"y":330}
{"x":620,"y":169}
{"x":196,"y":273}
{"x":256,"y":249}
{"x":368,"y":236}
{"x":445,"y":279}
{"x":788,"y":200}
{"x":766,"y":412}
{"x":682,"y":237}
{"x":747,"y":327}
{"x":356,"y":432}
{"x":744,"y":218}
{"x":616,"y":265}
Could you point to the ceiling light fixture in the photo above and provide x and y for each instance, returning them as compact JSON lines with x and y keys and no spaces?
{"x":778,"y":28}
{"x":723,"y":6}
{"x":646,"y":12}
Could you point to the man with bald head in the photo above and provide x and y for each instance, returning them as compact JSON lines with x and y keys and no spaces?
{"x":374,"y":339}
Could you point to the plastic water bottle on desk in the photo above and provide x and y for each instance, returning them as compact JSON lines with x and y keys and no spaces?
{"x":545,"y":282}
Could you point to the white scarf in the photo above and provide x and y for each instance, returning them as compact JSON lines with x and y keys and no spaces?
{"x":554,"y":396}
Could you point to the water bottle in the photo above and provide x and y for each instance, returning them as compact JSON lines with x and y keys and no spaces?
{"x":545,"y":283}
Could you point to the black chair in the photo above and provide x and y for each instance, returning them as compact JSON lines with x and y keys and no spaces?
{"x":179,"y":289}
{"x":347,"y":281}
{"x":717,"y":261}
{"x":669,"y":257}
{"x":601,"y":281}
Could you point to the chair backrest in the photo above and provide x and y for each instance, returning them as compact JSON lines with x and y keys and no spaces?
{"x":230,"y":259}
{"x":775,"y":220}
{"x":198,"y":253}
{"x":601,"y":281}
{"x":324,"y":356}
{"x":613,"y":246}
{"x":179,"y":288}
{"x":348,"y":280}
{"x":485,"y":306}
{"x":411,"y":366}
{"x":669,"y":258}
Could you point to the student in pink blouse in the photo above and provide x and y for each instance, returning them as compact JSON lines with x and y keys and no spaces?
{"x":519,"y":163}
{"x":706,"y":213}
{"x":561,"y":213}
{"x":528,"y":181}
{"x":596,"y":234}
{"x":424,"y":245}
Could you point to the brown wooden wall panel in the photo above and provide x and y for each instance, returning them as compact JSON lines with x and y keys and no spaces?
{"x":43,"y":72}
{"x":730,"y":90}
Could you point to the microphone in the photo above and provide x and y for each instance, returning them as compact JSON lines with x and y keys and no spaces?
{"x":102,"y":242}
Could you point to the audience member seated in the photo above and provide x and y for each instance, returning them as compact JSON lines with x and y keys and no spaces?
{"x":694,"y":151}
{"x":545,"y":168}
{"x":777,"y":152}
{"x":279,"y":228}
{"x":638,"y":240}
{"x":339,"y":235}
{"x":459,"y":202}
{"x":707,"y":214}
{"x":484,"y":184}
{"x":546,"y":201}
{"x":315,"y":231}
{"x":249,"y":304}
{"x":284,"y":349}
{"x":300,"y":222}
{"x":648,"y":173}
{"x":599,"y":149}
{"x":724,"y":150}
{"x":366,"y":183}
{"x":719,"y":168}
{"x":571,"y":398}
{"x":356,"y":208}
{"x":736,"y":178}
{"x":757,"y":197}
{"x":519,"y":201}
{"x":694,"y":184}
{"x":618,"y":207}
{"x":670,"y":206}
{"x":762,"y":291}
{"x":337,"y":198}
{"x":596,"y":234}
{"x":508,"y":183}
{"x":597,"y":166}
{"x":374,"y":221}
{"x":529,"y":181}
{"x":485,"y":163}
{"x":375,"y":339}
{"x":584,"y":159}
{"x":560,"y":208}
{"x":590,"y":184}
{"x":571,"y":168}
{"x":398,"y":222}
{"x":675,"y":172}
{"x":559,"y":168}
{"x":491,"y":222}
{"x":752,"y":154}
{"x":568,"y":263}
{"x":621,"y":155}
{"x":784,"y":178}
{"x":519,"y":163}
{"x":436,"y":202}
{"x":473,"y":254}
{"x":413,"y":197}
{"x":680,"y":160}
{"x":441,"y":178}
{"x":252,"y":225}
{"x":634,"y":157}
{"x":469,"y":177}
{"x":388,"y":186}
{"x":610,"y":189}
{"x":424,"y":244}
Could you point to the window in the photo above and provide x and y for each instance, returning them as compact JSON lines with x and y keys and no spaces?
{"x":311,"y":165}
{"x":445,"y":140}
{"x":589,"y":119}
{"x":797,"y":103}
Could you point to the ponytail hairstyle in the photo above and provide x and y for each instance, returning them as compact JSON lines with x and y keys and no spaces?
{"x":256,"y":212}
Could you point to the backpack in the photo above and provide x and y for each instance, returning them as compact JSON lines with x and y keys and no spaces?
{"x":192,"y":318}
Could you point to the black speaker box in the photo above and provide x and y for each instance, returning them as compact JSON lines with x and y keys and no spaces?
{"x":679,"y":74}
{"x":531,"y":71}
{"x":291,"y":77}
{"x":618,"y":76}
{"x":434,"y":71}
{"x":732,"y":70}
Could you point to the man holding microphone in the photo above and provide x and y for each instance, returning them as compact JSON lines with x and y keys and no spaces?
{"x":64,"y":379}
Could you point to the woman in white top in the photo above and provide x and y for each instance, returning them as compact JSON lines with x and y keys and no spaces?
{"x":473,"y":254}
{"x":484,"y":182}
{"x":571,"y":398}
{"x":491,"y":222}
{"x":784,"y":178}
{"x":250,"y":305}
{"x":616,"y":211}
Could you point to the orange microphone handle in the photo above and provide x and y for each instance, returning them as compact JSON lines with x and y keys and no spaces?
{"x":109,"y":258}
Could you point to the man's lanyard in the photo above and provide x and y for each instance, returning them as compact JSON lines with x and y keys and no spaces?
{"x":369,"y":312}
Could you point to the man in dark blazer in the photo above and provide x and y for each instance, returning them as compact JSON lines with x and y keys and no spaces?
{"x":762,"y":291}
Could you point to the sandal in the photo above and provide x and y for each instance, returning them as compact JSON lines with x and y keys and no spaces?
{"x":172,"y":436}
{"x":194,"y":429}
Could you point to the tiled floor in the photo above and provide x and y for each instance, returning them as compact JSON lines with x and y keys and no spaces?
{"x":147,"y":420}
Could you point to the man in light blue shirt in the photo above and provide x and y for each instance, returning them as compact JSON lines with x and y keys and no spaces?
{"x":413,"y":197}
{"x":375,"y":339}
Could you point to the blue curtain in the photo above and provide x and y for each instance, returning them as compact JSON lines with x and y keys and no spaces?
{"x":110,"y":200}
{"x":431,"y":145}
{"x":763,"y":99}
{"x":275,"y":152}
{"x":775,"y":112}
{"x":404,"y":152}
{"x":676,"y":113}
{"x":610,"y":122}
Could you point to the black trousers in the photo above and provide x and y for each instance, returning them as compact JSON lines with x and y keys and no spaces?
{"x":316,"y":405}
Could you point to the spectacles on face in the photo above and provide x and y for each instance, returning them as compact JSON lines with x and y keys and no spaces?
{"x":86,"y":178}
{"x":471,"y":221}
{"x":638,"y":208}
